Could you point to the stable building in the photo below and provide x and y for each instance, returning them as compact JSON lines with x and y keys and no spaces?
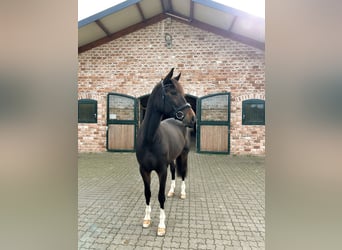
{"x":127,"y":49}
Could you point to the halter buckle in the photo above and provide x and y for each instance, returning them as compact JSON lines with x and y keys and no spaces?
{"x":179,"y":115}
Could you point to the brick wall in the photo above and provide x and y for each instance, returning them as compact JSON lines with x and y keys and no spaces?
{"x":209,"y":64}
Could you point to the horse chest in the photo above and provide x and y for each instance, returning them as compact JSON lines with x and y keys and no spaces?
{"x":152,"y":157}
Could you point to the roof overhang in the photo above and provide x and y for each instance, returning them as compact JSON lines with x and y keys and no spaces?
{"x":132,"y":15}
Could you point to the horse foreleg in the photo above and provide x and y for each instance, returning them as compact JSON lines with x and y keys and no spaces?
{"x":173,"y":181}
{"x":161,"y":197}
{"x":183,"y":194}
{"x":147,"y":218}
{"x":147,"y":183}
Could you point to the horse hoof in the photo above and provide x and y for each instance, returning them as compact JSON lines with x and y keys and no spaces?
{"x":170,"y":194}
{"x":183,"y":196}
{"x":161,"y":231}
{"x":146,"y":223}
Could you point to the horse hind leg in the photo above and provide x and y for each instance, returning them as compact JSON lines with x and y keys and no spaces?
{"x":146,"y":176}
{"x":173,"y":181}
{"x":182,"y":168}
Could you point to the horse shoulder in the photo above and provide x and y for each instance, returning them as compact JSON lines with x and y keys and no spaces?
{"x":175,"y":134}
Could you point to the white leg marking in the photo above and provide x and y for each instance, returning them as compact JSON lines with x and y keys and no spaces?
{"x":172,"y":189}
{"x":183,"y":194}
{"x":161,"y":226}
{"x":147,"y":218}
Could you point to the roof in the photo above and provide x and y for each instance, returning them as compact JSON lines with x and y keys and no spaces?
{"x":132,"y":15}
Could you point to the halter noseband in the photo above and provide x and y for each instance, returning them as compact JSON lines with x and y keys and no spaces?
{"x":177,"y":112}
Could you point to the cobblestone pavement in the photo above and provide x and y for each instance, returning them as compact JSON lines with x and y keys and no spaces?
{"x":224,"y":207}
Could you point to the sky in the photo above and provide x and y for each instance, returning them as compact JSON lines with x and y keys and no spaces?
{"x":88,"y":8}
{"x":254,"y":7}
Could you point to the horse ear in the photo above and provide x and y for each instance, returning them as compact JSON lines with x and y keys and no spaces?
{"x":177,"y":77}
{"x":169,"y":75}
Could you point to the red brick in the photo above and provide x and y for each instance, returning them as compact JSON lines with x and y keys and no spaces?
{"x":209,"y":64}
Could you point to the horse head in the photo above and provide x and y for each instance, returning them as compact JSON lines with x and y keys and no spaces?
{"x":174,"y":103}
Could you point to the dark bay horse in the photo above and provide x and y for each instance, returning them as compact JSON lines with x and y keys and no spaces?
{"x":162,"y":143}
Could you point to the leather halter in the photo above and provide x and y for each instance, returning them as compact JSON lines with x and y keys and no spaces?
{"x":177,"y":111}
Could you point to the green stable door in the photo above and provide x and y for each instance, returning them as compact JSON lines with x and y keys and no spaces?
{"x":213,"y":123}
{"x":121,"y":122}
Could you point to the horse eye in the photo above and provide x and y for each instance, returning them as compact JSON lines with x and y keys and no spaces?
{"x":173,"y":92}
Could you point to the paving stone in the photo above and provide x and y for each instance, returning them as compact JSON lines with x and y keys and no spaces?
{"x":224,"y":208}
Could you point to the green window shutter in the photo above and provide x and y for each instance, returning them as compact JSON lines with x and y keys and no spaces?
{"x":87,"y":111}
{"x":253,"y":112}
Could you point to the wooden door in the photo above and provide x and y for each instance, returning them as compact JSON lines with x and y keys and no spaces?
{"x":213,"y":124}
{"x":121,"y":122}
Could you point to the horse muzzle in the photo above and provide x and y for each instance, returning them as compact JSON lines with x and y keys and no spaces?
{"x":191,"y":122}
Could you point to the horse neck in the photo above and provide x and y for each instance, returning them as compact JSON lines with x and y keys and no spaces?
{"x":152,"y":120}
{"x":151,"y":124}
